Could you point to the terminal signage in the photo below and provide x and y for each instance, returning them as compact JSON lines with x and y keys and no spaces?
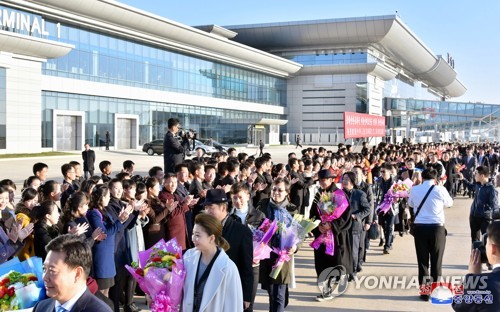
{"x":20,"y":22}
{"x":363,"y":125}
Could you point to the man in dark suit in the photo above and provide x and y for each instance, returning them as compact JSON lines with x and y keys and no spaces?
{"x":486,"y":283}
{"x":67,"y":267}
{"x":483,"y":159}
{"x":239,"y":238}
{"x":173,"y":152}
{"x":470,"y":162}
{"x":88,"y":156}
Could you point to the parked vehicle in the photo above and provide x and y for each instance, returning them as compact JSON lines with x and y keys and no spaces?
{"x":219,"y":146}
{"x":153,"y":147}
{"x":206,"y":149}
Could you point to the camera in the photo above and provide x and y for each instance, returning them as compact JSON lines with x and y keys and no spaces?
{"x":481,"y":246}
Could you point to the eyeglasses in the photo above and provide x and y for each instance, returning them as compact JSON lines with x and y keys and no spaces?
{"x":275,"y":189}
{"x":382,"y":171}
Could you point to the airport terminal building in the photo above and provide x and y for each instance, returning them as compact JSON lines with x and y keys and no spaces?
{"x":71,"y":71}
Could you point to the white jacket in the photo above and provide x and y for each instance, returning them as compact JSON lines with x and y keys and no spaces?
{"x":222,"y":292}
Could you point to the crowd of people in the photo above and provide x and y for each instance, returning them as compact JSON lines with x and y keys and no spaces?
{"x":210,"y":204}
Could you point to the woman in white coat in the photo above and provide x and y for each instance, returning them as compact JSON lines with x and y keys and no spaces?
{"x":212,"y":281}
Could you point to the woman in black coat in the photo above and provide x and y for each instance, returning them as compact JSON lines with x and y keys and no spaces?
{"x":47,"y":216}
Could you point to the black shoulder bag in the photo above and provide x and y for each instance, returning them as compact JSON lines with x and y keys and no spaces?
{"x":412,"y":225}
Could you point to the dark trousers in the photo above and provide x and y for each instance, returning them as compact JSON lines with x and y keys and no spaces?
{"x":115,"y":292}
{"x":386,"y":221}
{"x":478,"y":227}
{"x":88,"y":174}
{"x":356,"y":249}
{"x":366,"y":246}
{"x":277,"y":297}
{"x":430,"y":241}
{"x":362,"y":252}
{"x":256,"y":270}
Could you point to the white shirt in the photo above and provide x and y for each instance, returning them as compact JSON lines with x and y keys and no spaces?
{"x":68,"y":305}
{"x":242,"y":213}
{"x":433,"y":209}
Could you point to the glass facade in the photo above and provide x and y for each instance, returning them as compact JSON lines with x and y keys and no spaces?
{"x":3,"y":106}
{"x":224,"y":125}
{"x":425,"y":114}
{"x":109,"y":59}
{"x":401,"y":87}
{"x":332,"y":58}
{"x":362,"y":102}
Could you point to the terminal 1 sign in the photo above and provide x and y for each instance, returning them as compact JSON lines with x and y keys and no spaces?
{"x":363,"y":125}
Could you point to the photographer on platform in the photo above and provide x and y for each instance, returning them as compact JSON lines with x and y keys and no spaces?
{"x":486,"y":283}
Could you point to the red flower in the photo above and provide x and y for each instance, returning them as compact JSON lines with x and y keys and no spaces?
{"x":177,"y":256}
{"x":156,"y":259}
{"x":33,"y":278}
{"x":139,"y":271}
{"x":11,"y":291}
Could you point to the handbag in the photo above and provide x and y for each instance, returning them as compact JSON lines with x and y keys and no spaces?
{"x":373,"y":232}
{"x":412,"y":224}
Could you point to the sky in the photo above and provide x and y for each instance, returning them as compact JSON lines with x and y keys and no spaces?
{"x":468,"y":30}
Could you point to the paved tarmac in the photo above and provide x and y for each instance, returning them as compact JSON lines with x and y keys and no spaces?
{"x":400,"y":262}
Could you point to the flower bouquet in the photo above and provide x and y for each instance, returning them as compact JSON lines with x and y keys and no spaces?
{"x":21,"y":284}
{"x":307,"y":225}
{"x":160,"y":273}
{"x":398,"y":190}
{"x":288,"y":238}
{"x":261,"y":237}
{"x":330,"y":207}
{"x":459,"y":168}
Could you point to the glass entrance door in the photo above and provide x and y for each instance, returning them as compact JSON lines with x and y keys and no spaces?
{"x":67,"y":133}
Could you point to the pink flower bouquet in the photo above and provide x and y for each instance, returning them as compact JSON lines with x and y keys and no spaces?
{"x":330,"y":207}
{"x":160,"y":273}
{"x":289,"y":238}
{"x":396,"y":192}
{"x":261,"y":238}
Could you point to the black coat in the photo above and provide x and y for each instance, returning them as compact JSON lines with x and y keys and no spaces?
{"x":297,"y":189}
{"x":173,"y":152}
{"x":88,"y":160}
{"x":43,"y":234}
{"x":367,"y":188}
{"x":359,"y":207}
{"x":87,"y":303}
{"x":343,"y":248}
{"x":266,"y":193}
{"x":240,"y":252}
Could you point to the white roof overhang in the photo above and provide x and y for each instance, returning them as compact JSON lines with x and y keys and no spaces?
{"x":123,"y":20}
{"x":32,"y":46}
{"x":387,"y":34}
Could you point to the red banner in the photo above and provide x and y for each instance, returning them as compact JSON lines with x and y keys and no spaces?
{"x":363,"y":125}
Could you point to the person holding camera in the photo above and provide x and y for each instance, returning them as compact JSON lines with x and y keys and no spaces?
{"x":427,"y":201}
{"x":486,"y":283}
{"x":485,"y":202}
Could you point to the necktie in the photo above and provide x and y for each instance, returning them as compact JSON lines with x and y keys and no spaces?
{"x":61,"y":309}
